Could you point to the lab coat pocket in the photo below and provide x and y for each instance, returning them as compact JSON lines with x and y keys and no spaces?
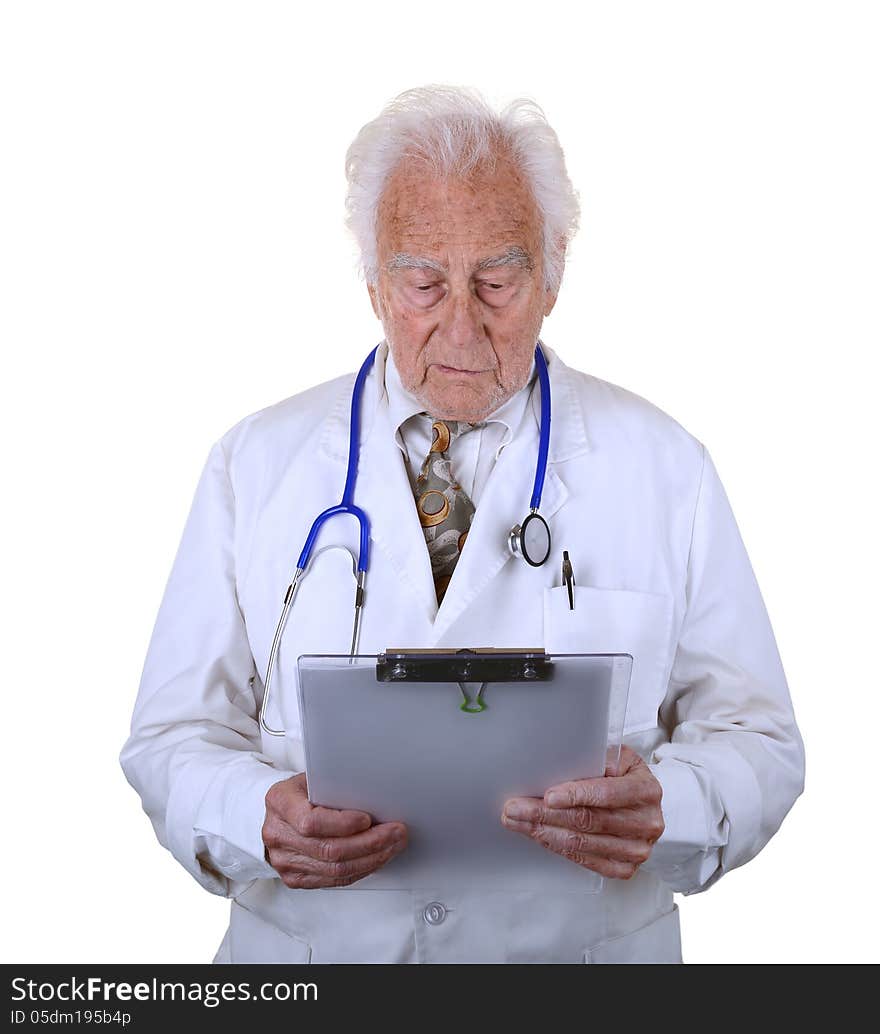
{"x":253,"y":940}
{"x":617,"y":621}
{"x":657,"y":943}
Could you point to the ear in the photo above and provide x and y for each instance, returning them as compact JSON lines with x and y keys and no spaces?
{"x":549,"y":301}
{"x":551,"y":296}
{"x":375,"y":300}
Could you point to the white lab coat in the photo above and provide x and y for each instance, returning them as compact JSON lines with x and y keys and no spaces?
{"x":660,"y":572}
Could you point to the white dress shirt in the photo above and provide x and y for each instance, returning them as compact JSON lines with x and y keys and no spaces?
{"x":473,"y":455}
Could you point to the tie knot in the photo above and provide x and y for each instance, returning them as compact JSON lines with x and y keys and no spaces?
{"x":446,"y":431}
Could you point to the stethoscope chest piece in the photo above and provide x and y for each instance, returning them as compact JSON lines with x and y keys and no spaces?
{"x":531,"y":539}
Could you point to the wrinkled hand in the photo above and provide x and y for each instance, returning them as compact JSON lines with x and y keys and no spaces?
{"x":311,"y":846}
{"x":608,"y":824}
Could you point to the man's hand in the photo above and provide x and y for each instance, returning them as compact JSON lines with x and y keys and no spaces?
{"x":312,"y":847}
{"x":608,"y":824}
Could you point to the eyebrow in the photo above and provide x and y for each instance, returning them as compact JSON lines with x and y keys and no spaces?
{"x":514,"y":256}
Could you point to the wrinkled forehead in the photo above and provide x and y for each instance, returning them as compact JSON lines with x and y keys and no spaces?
{"x":490,"y":207}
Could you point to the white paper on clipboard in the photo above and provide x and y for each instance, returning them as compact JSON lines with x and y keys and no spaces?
{"x":408,"y":753}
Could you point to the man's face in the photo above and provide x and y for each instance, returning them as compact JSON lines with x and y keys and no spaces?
{"x":460,"y":290}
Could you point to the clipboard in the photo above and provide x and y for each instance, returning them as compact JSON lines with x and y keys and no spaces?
{"x":439,"y":739}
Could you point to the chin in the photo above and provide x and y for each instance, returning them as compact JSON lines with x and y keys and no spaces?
{"x":463,"y":405}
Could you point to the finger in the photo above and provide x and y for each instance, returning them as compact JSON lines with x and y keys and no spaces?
{"x":341,"y":849}
{"x":603,"y":866}
{"x":287,"y":796}
{"x":643,"y":823}
{"x":622,"y":759}
{"x":336,"y":873}
{"x":315,"y":821}
{"x":608,"y":868}
{"x":638,"y":823}
{"x":635,"y":788}
{"x":289,"y":801}
{"x":310,"y":881}
{"x":575,"y":845}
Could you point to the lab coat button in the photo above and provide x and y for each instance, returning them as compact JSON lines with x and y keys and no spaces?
{"x":434,"y":913}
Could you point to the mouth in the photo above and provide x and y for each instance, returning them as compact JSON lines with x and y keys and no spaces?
{"x":457,"y":371}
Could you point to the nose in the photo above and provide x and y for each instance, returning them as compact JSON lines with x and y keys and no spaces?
{"x":464,"y":321}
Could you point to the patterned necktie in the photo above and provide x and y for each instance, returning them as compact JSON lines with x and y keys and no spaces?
{"x":445,"y":511}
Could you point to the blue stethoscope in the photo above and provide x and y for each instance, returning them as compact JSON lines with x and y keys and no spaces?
{"x":529,"y":540}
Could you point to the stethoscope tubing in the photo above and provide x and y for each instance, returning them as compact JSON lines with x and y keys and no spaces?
{"x":544,"y":442}
{"x":347,"y":506}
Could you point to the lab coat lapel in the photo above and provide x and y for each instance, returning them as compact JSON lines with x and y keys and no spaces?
{"x":504,"y":502}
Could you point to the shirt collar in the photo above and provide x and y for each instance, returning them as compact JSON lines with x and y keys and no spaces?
{"x":402,"y":405}
{"x":570,"y":390}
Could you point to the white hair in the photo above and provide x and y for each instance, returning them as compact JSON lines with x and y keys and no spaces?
{"x":454,"y":131}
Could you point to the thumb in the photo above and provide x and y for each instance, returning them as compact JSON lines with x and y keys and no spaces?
{"x":288,"y":796}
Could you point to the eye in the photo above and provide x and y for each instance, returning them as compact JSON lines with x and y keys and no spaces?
{"x":494,"y":292}
{"x":425,"y":294}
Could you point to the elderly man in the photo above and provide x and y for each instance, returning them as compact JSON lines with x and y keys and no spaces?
{"x":462,"y":216}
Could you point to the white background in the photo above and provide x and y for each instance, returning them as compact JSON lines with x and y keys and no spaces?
{"x":174,"y":257}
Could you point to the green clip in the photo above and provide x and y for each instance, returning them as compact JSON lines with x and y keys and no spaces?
{"x":472,"y":706}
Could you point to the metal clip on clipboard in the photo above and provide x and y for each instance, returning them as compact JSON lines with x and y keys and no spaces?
{"x":463,"y":666}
